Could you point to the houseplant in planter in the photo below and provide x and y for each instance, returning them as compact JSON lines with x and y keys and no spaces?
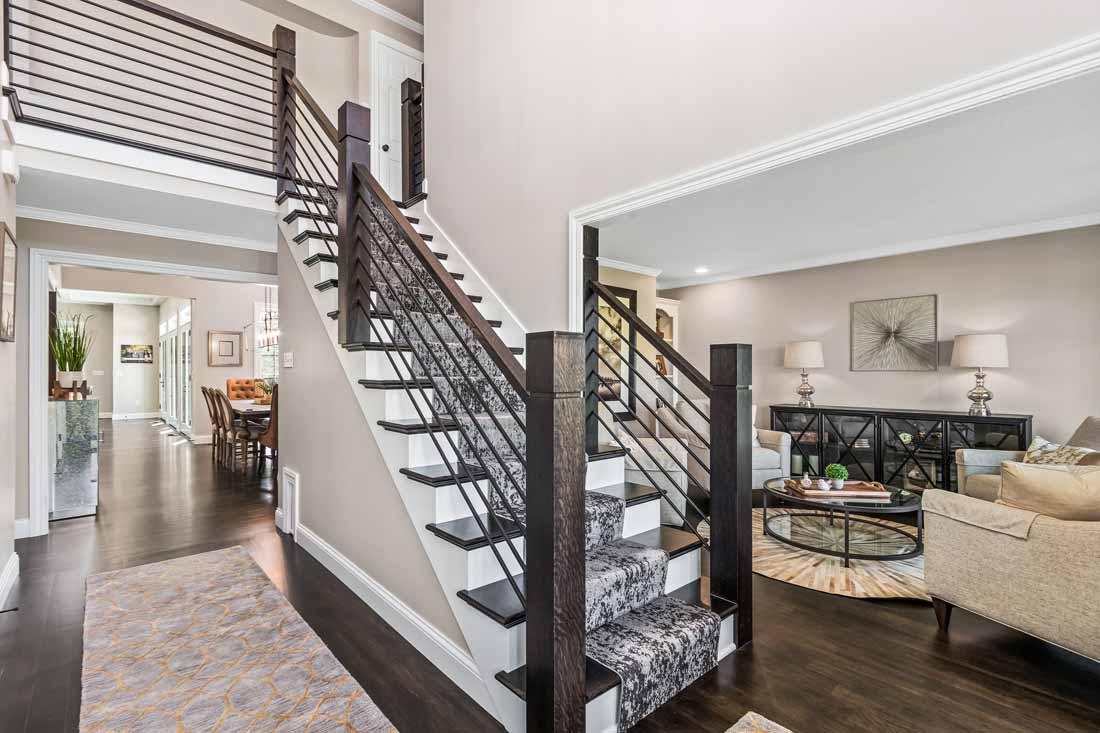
{"x":71,"y":342}
{"x":837,"y":474}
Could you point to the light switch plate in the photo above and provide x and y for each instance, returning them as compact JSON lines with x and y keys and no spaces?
{"x":288,"y":359}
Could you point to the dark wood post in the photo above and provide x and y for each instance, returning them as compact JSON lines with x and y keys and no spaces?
{"x":283,"y":41}
{"x":353,"y":146}
{"x":412,"y":139}
{"x":555,"y":533}
{"x":591,"y":273}
{"x":731,"y":480}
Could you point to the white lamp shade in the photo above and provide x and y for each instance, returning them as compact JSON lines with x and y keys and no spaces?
{"x":803,"y":355}
{"x":985,"y":350}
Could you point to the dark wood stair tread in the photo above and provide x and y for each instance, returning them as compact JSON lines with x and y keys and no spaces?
{"x":414,"y":426}
{"x":326,"y":284}
{"x":304,"y":214}
{"x":466,"y":533}
{"x":375,"y":346}
{"x":438,"y":474}
{"x":313,"y":234}
{"x":598,"y":678}
{"x":375,"y":314}
{"x":411,"y":201}
{"x":604,"y":452}
{"x":321,"y":257}
{"x":292,"y":195}
{"x":423,"y":383}
{"x":630,"y":492}
{"x":498,"y":600}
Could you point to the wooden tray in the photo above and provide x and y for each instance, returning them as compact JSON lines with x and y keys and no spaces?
{"x":851,"y":490}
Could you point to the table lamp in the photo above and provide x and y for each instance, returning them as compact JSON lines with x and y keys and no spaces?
{"x":804,"y":355}
{"x":980,"y":351}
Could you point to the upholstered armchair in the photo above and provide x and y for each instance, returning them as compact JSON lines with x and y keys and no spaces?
{"x":771,"y":449}
{"x":241,"y":389}
{"x":979,"y":470}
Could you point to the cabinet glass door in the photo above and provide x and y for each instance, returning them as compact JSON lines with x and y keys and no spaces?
{"x":912,"y":453}
{"x":804,"y":428}
{"x":986,"y":436}
{"x":850,"y":441}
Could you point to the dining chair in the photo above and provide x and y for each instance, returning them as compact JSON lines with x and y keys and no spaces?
{"x":215,"y":423}
{"x":240,"y":437}
{"x":268,"y":439}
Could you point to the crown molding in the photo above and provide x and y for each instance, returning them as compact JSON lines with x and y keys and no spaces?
{"x":1048,"y":67}
{"x":629,"y":267}
{"x":992,"y":234}
{"x":390,"y":14}
{"x":133,"y":227}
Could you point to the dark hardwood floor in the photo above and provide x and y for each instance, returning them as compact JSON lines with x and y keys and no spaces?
{"x":819,"y":663}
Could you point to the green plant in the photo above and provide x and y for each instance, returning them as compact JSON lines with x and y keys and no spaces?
{"x":71,"y":341}
{"x":264,"y":385}
{"x":835,"y":472}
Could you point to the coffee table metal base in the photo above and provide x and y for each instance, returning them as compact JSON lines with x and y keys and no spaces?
{"x":844,"y":515}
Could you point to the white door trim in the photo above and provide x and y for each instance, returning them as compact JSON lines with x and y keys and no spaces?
{"x":1033,"y":72}
{"x":38,"y":322}
{"x":377,"y":41}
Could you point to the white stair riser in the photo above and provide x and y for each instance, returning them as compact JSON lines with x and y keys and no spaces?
{"x":399,"y":406}
{"x":377,"y":365}
{"x":316,"y":246}
{"x":604,"y":473}
{"x":321,"y":271}
{"x":423,"y":452}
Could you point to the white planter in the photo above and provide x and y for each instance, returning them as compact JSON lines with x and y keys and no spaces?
{"x":822,"y":484}
{"x":838,"y":484}
{"x":67,"y":378}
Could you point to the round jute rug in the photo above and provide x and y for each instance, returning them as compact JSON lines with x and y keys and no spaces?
{"x":864,"y":579}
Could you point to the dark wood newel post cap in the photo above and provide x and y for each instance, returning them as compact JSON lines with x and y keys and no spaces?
{"x":353,"y":120}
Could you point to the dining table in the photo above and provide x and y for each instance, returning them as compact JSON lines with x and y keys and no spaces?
{"x":248,"y":410}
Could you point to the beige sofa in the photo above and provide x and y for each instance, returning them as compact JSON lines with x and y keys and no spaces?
{"x":1021,"y":568}
{"x":771,"y":449}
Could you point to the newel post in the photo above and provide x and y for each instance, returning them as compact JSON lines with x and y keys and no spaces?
{"x":282,"y":64}
{"x":353,"y":146}
{"x":731,"y":480}
{"x":412,"y":138}
{"x":591,"y":273}
{"x":555,"y":533}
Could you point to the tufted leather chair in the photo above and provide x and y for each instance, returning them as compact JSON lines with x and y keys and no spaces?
{"x":241,"y":389}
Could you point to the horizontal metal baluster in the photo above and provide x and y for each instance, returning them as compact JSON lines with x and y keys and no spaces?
{"x":192,"y":36}
{"x":131,"y":72}
{"x":89,"y":31}
{"x":653,"y":366}
{"x":162,"y":95}
{"x":69,"y":113}
{"x":317,"y":163}
{"x":124,"y":57}
{"x":664,"y":424}
{"x":458,"y":395}
{"x":130,"y":100}
{"x":462,"y":341}
{"x":126,"y":113}
{"x":653,"y":483}
{"x":266,"y":64}
{"x":480,"y":458}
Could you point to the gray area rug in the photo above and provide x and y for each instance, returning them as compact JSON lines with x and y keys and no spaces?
{"x":207,"y":643}
{"x":754,"y":723}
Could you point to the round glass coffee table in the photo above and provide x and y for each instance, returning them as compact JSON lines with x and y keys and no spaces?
{"x":844,"y":527}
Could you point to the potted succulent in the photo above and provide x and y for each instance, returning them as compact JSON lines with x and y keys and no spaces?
{"x":264,"y":386}
{"x":837,"y":474}
{"x":71,"y":343}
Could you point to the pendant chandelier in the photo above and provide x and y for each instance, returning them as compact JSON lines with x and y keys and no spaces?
{"x":269,"y":332}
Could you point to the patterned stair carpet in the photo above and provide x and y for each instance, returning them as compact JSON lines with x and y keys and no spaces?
{"x":864,"y":579}
{"x":754,"y":723}
{"x":207,"y":642}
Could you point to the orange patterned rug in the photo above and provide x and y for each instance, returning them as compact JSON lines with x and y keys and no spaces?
{"x":207,"y":643}
{"x":864,"y":579}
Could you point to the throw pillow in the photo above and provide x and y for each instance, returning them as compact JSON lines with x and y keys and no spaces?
{"x":1062,"y":492}
{"x":1053,"y":454}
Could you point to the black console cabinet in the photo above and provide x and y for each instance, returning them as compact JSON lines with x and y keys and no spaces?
{"x":911,"y":449}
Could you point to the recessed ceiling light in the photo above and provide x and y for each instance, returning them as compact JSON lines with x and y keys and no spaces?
{"x":702,"y":270}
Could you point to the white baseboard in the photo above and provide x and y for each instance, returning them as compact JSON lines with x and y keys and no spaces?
{"x":22,"y":528}
{"x":8,"y":576}
{"x":105,"y":416}
{"x":441,"y":651}
{"x":134,"y":415}
{"x":202,"y":439}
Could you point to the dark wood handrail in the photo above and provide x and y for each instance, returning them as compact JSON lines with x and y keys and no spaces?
{"x":311,"y":104}
{"x":655,"y":340}
{"x":200,"y":25}
{"x":500,"y":354}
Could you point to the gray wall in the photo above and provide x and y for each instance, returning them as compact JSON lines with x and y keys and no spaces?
{"x":1040,"y":290}
{"x":535,"y":108}
{"x":347,"y":494}
{"x":100,"y":367}
{"x":9,"y":421}
{"x":136,"y":388}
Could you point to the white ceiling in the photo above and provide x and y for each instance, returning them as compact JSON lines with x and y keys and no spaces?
{"x":163,"y":214}
{"x":102,"y":297}
{"x":1028,"y":163}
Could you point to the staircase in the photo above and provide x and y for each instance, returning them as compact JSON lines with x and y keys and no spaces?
{"x":579,"y":607}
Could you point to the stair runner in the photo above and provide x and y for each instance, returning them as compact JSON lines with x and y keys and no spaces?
{"x":655,"y":643}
